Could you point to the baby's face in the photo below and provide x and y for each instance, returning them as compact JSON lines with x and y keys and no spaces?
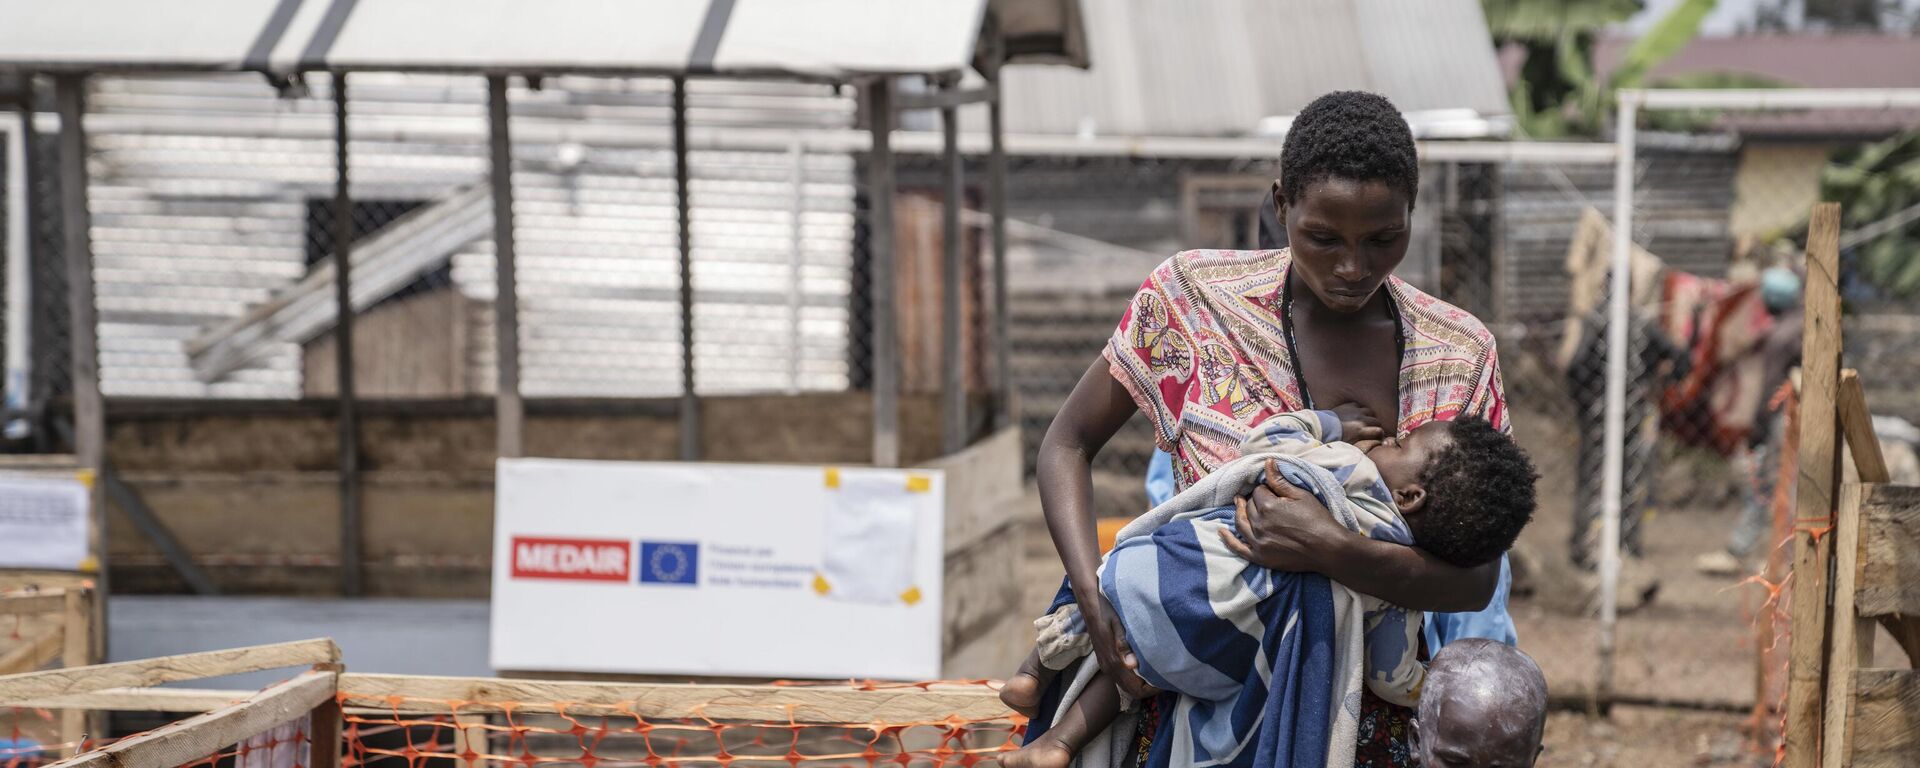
{"x":1472,"y":734}
{"x":1401,"y":459}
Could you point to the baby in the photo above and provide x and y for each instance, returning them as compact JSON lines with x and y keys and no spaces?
{"x":1485,"y":704}
{"x":1460,"y":490}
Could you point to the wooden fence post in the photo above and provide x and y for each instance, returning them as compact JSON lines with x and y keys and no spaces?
{"x":1816,"y":491}
{"x":76,"y":628}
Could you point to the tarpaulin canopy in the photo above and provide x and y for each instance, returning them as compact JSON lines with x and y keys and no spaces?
{"x":816,"y":39}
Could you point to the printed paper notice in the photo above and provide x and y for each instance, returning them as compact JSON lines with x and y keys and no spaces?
{"x":43,"y":523}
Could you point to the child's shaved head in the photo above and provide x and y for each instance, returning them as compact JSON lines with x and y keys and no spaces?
{"x":1484,"y":704}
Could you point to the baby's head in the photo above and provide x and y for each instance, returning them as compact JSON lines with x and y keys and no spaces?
{"x":1464,"y":488}
{"x":1484,"y":704}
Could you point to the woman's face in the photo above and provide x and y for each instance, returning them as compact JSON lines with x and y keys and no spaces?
{"x":1347,"y":237}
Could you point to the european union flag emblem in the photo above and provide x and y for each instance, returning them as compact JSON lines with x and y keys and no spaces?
{"x":670,"y":562}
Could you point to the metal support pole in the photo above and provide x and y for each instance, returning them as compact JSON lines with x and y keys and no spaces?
{"x":953,"y":388}
{"x":683,"y":196}
{"x":350,"y":584}
{"x":509,"y":413}
{"x":886,"y":352}
{"x":797,"y":258}
{"x":16,"y":386}
{"x":89,"y":409}
{"x":997,"y":209}
{"x":1614,"y":481}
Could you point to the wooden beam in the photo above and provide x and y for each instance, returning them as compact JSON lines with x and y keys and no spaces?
{"x":1887,"y":719}
{"x":49,"y":601}
{"x":166,"y":669}
{"x":141,"y":700}
{"x":946,"y":98}
{"x":509,"y":413}
{"x":720,"y":702}
{"x":1857,"y":421}
{"x":1852,"y":646}
{"x":76,"y":630}
{"x":1815,"y":489}
{"x":31,"y":655}
{"x":1890,"y":556}
{"x":1906,"y":633}
{"x":324,"y":734}
{"x":197,"y":737}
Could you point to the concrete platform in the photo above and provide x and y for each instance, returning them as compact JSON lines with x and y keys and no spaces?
{"x":423,"y":637}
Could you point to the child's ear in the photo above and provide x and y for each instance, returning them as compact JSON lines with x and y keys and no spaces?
{"x":1410,"y":498}
{"x":1279,"y":202}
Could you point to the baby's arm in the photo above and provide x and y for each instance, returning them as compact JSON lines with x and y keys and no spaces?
{"x":1393,"y":670}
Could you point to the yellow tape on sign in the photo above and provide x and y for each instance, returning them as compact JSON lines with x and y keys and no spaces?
{"x":833,"y":477}
{"x":919,"y":483}
{"x":820,"y":584}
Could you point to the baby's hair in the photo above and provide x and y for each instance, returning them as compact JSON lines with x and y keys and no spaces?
{"x":1351,"y":135}
{"x":1479,"y":495}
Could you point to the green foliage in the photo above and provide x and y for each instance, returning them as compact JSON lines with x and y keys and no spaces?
{"x":1872,"y":183}
{"x":1558,"y":93}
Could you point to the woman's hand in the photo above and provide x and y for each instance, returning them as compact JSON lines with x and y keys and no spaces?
{"x":1110,"y":647}
{"x":1357,"y":423}
{"x":1287,"y":529}
{"x":1282,"y":527}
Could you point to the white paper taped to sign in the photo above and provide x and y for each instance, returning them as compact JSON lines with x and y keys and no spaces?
{"x":43,"y":522}
{"x":717,"y":569}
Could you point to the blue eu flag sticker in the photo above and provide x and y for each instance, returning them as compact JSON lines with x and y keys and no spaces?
{"x":670,"y":562}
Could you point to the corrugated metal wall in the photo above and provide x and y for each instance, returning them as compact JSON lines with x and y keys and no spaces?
{"x":200,"y":199}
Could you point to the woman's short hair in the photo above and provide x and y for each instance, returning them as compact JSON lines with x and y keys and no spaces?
{"x":1351,"y":135}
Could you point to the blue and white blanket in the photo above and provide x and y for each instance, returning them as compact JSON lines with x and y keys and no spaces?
{"x":1268,"y":665}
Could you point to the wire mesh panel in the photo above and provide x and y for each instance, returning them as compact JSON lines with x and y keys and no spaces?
{"x":1707,"y":511}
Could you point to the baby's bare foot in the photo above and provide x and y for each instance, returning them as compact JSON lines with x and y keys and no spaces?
{"x":1022,"y":694}
{"x":1045,"y":753}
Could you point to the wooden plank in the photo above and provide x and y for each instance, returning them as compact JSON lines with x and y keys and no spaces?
{"x":1906,"y":633}
{"x":76,"y":631}
{"x":324,"y":734}
{"x":50,"y":601}
{"x":1857,"y":421}
{"x":167,"y":669}
{"x":31,"y":655}
{"x":759,"y":703}
{"x":1850,"y":632}
{"x":1890,"y":555}
{"x":141,"y":700}
{"x":1887,"y":718}
{"x":1817,"y":481}
{"x":982,"y":489}
{"x":197,"y":737}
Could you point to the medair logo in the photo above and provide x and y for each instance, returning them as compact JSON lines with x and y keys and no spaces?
{"x":575,"y":559}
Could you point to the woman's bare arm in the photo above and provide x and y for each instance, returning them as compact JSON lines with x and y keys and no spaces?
{"x":1285,"y":528}
{"x":1096,"y":409}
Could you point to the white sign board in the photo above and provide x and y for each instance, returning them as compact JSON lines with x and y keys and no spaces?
{"x":717,"y":569}
{"x":43,"y":522}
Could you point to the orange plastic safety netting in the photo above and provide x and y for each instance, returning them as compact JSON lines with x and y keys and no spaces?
{"x":409,"y":731}
{"x":1773,"y":616}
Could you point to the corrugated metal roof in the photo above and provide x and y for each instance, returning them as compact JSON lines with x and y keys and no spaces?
{"x":192,"y":229}
{"x":1179,"y":68}
{"x":831,"y":39}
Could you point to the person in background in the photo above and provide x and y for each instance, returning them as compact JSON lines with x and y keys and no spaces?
{"x":1485,"y":705}
{"x":1659,"y":361}
{"x":1780,"y":354}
